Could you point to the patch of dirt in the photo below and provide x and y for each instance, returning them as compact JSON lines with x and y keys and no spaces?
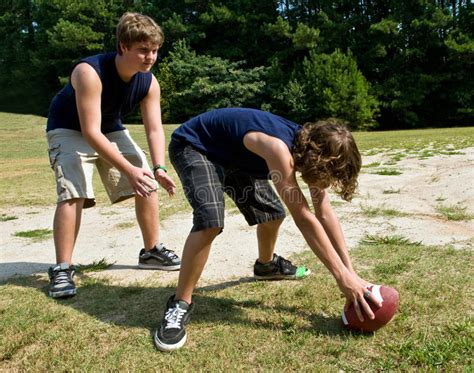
{"x":106,"y":232}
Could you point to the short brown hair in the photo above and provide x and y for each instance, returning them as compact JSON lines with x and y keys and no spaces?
{"x":326,"y":151}
{"x":136,"y":27}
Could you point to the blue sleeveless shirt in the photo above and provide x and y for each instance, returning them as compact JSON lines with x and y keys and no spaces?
{"x":219,"y":134}
{"x":118,"y":98}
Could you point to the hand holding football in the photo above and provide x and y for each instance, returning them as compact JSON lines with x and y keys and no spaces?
{"x":383,"y":315}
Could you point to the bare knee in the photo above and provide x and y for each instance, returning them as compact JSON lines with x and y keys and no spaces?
{"x":272,"y":224}
{"x":70,"y":204}
{"x":207,"y":235}
{"x":211,"y":232}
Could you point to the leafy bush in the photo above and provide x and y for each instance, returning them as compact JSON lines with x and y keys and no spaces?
{"x":192,"y":84}
{"x":330,"y":85}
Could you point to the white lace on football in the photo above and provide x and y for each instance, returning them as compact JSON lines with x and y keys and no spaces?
{"x":173,"y":317}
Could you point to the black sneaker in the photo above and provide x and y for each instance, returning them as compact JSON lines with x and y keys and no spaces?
{"x":159,"y":258}
{"x":171,"y":334}
{"x":61,"y":283}
{"x":279,"y":269}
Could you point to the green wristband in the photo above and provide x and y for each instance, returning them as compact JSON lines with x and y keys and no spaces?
{"x":159,"y":167}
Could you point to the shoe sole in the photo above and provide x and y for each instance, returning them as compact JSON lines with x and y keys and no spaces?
{"x":62,"y":294}
{"x":168,"y":348}
{"x":281,"y":277}
{"x":163,"y":268}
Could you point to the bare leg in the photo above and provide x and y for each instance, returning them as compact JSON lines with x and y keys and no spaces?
{"x":67,"y":221}
{"x":267,"y":234}
{"x":195,"y":254}
{"x":146,"y":210}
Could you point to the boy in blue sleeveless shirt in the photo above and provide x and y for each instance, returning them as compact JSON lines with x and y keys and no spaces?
{"x":85,"y":129}
{"x":236,"y":151}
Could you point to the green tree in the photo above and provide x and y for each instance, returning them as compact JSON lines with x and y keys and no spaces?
{"x":75,"y":29}
{"x":331,"y":85}
{"x":17,"y":45}
{"x":417,"y":55}
{"x":41,"y":40}
{"x":192,"y":84}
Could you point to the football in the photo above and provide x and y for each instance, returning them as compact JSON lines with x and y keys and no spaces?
{"x":383,"y":315}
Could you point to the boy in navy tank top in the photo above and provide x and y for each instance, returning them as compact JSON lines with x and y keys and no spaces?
{"x":85,"y":130}
{"x":237,"y":151}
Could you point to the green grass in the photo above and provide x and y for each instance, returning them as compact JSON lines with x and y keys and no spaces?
{"x":126,"y":225}
{"x":371,"y":212}
{"x":23,"y":158}
{"x":452,"y":152}
{"x":388,"y":240}
{"x":455,"y":212}
{"x":447,"y":140}
{"x":5,"y":217}
{"x":248,"y":326}
{"x":426,"y":153}
{"x":371,"y":165}
{"x":391,"y":191}
{"x":237,"y":325}
{"x":36,"y":234}
{"x":95,"y":266}
{"x":387,"y":172}
{"x":398,"y":156}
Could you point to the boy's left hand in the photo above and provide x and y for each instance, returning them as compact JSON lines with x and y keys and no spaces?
{"x":166,"y":182}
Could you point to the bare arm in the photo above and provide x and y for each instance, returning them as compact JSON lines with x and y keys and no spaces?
{"x":88,"y":89}
{"x":326,"y":216}
{"x":151,"y":114}
{"x":280,"y":163}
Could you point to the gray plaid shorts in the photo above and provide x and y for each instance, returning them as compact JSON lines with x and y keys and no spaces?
{"x":205,"y":182}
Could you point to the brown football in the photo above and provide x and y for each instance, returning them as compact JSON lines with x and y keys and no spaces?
{"x":383,"y":315}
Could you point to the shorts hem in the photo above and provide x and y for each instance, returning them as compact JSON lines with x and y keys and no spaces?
{"x":266,"y":219}
{"x":121,"y":197}
{"x":207,"y":225}
{"x":88,"y":201}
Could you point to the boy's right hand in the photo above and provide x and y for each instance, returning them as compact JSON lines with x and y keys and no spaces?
{"x":356,"y":293}
{"x":141,"y":181}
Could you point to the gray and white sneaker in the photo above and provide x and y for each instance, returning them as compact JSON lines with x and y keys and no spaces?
{"x":61,"y":281}
{"x":159,"y":258}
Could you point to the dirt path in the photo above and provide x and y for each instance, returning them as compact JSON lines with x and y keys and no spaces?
{"x":423,"y":185}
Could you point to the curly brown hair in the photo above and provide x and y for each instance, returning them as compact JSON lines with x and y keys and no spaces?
{"x":326,"y":155}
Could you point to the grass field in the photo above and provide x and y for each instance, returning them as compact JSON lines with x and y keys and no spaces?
{"x":24,"y":160}
{"x":273,"y":326}
{"x":238,"y":326}
{"x":24,"y":164}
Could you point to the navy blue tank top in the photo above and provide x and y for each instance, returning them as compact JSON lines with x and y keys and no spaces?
{"x":219,"y":134}
{"x":118,"y":99}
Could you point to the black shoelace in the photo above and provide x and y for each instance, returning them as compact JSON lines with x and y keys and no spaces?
{"x":284,"y":263}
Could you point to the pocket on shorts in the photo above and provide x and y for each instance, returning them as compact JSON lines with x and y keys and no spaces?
{"x":53,"y":152}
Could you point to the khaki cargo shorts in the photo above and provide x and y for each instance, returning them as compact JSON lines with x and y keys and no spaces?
{"x":73,"y":161}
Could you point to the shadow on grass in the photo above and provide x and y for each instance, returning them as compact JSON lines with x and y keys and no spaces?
{"x":11,"y":269}
{"x":138,"y":306}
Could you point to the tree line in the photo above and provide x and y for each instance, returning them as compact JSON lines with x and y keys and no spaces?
{"x":379,"y":64}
